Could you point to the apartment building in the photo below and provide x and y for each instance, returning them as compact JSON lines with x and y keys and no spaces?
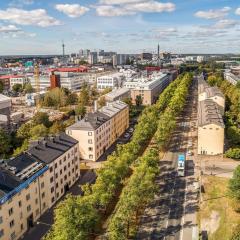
{"x":17,"y":79}
{"x":210,"y":128}
{"x":5,"y":111}
{"x":33,"y":181}
{"x":97,"y":131}
{"x":110,"y":81}
{"x":148,"y":88}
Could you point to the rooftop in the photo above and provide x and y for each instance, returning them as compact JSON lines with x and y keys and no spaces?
{"x":208,"y":113}
{"x":117,"y":92}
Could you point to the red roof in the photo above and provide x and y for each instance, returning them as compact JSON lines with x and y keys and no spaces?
{"x":11,"y":76}
{"x":70,"y":69}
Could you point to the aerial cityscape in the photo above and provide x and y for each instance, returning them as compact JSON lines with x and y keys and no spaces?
{"x":119,"y":119}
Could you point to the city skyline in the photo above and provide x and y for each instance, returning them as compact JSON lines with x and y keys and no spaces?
{"x":125,"y":26}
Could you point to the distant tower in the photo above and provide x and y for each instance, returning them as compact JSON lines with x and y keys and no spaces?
{"x":158,"y":56}
{"x":63,"y":48}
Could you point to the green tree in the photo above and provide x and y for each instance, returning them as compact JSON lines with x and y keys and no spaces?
{"x":233,"y":153}
{"x":17,"y":87}
{"x":28,"y":88}
{"x":84,"y":96}
{"x":80,"y":110}
{"x":102,"y":101}
{"x":106,"y":90}
{"x":1,"y":87}
{"x":22,"y":148}
{"x":5,"y":142}
{"x":24,"y":131}
{"x":72,"y":99}
{"x":234,"y":184}
{"x":41,"y":118}
{"x":57,"y":127}
{"x":139,"y":100}
{"x":128,"y":101}
{"x":38,"y":131}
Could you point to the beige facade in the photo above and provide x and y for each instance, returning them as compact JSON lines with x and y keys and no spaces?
{"x":148,"y":88}
{"x":33,"y":182}
{"x":99,"y":130}
{"x":210,"y":139}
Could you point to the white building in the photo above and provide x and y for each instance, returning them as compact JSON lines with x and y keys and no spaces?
{"x":110,"y":81}
{"x":17,"y":79}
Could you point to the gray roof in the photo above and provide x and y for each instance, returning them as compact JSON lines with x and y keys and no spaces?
{"x":209,"y":113}
{"x":213,"y":91}
{"x":90,"y":122}
{"x":8,"y":182}
{"x":51,"y":148}
{"x":202,"y":85}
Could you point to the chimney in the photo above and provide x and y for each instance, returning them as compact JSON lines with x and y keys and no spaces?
{"x":95,"y":106}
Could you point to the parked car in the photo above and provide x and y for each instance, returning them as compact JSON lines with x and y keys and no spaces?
{"x":189,"y":153}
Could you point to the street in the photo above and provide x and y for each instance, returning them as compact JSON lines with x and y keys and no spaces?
{"x":172,"y":213}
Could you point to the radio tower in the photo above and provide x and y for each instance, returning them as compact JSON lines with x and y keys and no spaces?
{"x":158,"y":56}
{"x":63,"y":48}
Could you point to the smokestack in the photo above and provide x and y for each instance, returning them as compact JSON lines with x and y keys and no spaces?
{"x":95,"y":106}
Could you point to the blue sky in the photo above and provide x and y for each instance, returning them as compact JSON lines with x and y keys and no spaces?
{"x":126,"y":26}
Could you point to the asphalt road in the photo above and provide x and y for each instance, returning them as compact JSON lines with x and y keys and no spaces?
{"x":172,"y":213}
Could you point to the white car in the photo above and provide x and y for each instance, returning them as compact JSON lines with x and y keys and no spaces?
{"x":189,"y":153}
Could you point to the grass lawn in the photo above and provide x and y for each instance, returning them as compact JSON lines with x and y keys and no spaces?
{"x":215,"y":199}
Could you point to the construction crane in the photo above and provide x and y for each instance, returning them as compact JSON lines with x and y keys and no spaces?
{"x":37,"y":83}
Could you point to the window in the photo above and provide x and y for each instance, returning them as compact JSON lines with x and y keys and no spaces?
{"x":37,"y":212}
{"x":57,"y":195}
{"x":90,"y":156}
{"x":69,"y":173}
{"x":61,"y":172}
{"x":64,"y":168}
{"x":56,"y":185}
{"x":43,"y":195}
{"x":90,"y":149}
{"x":1,"y":220}
{"x":52,"y":189}
{"x":51,"y":169}
{"x":90,"y":141}
{"x":64,"y":159}
{"x":52,"y":199}
{"x":51,"y":179}
{"x":20,"y":203}
{"x":11,"y":224}
{"x":65,"y":177}
{"x":10,"y":211}
{"x":89,"y":133}
{"x":29,"y":208}
{"x":21,"y":226}
{"x":44,"y":205}
{"x":42,"y":185}
{"x":56,"y":176}
{"x":56,"y":165}
{"x":28,"y":196}
{"x":69,"y":164}
{"x":36,"y":201}
{"x":60,"y":162}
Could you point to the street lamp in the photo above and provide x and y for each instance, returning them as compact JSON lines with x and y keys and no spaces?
{"x":38,"y":222}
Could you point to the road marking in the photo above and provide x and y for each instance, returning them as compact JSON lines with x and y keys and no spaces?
{"x":183,"y":216}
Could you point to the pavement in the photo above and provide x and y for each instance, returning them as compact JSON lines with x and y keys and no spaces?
{"x":173,"y":212}
{"x":46,"y":220}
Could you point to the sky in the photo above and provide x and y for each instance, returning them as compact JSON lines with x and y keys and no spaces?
{"x":125,"y":26}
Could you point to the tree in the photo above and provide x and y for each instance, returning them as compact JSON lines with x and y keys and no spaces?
{"x":1,"y":87}
{"x":57,"y":127}
{"x":5,"y":142}
{"x":41,"y":118}
{"x":71,"y":99}
{"x":234,"y":184}
{"x":80,"y":110}
{"x":102,"y":101}
{"x":22,"y":148}
{"x":233,"y":153}
{"x":238,"y":85}
{"x":128,"y":101}
{"x":139,"y":100}
{"x":24,"y":131}
{"x":38,"y":131}
{"x":84,"y":96}
{"x":28,"y":88}
{"x":17,"y":87}
{"x":106,"y":90}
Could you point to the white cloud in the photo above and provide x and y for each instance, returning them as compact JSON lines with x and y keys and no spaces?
{"x":237,"y":11}
{"x":130,"y":7}
{"x":226,"y":23}
{"x":118,"y":2}
{"x":37,"y":17}
{"x":9,"y":29}
{"x":213,"y":14}
{"x":110,"y":11}
{"x":72,"y":10}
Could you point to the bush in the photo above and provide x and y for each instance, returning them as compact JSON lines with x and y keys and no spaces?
{"x":233,"y":153}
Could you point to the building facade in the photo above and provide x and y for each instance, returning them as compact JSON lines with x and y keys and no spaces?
{"x":117,"y":94}
{"x":32,"y":182}
{"x":97,"y":131}
{"x":110,"y":81}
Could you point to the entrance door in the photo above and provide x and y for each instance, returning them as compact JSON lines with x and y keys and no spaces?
{"x":30,"y":221}
{"x":66,"y":188}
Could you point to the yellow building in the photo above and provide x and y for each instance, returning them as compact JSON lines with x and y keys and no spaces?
{"x":97,"y":131}
{"x":33,"y":181}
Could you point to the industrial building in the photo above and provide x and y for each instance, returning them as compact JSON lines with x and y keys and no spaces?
{"x":34,"y":181}
{"x":211,"y":105}
{"x":97,"y":131}
{"x":148,"y":88}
